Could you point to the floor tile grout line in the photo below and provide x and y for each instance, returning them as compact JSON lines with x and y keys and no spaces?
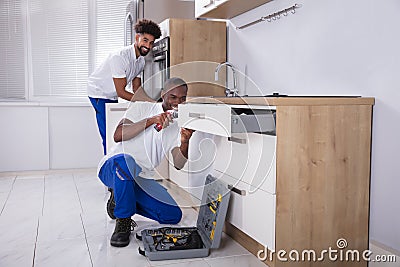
{"x":80,"y":215}
{"x":8,"y":196}
{"x":36,"y":238}
{"x":86,"y":241}
{"x":77,"y":192}
{"x":44,"y":193}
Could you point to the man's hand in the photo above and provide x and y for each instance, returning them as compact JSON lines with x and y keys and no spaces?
{"x":163,"y":119}
{"x":180,"y":154}
{"x":185,"y":135}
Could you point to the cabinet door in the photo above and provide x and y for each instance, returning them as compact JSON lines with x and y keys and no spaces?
{"x":180,"y":177}
{"x":200,"y":162}
{"x":252,"y":211}
{"x":248,"y":157}
{"x":226,"y":9}
{"x":114,"y":114}
{"x":203,"y":6}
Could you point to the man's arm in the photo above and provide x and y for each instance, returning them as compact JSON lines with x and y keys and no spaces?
{"x":120,"y":84}
{"x":127,"y":129}
{"x":180,"y":154}
{"x":139,"y":95}
{"x":136,"y":83}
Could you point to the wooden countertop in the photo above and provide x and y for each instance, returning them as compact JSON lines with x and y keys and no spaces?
{"x":285,"y":101}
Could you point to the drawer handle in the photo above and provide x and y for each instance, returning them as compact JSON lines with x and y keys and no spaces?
{"x":197,"y":115}
{"x":209,"y":4}
{"x":236,"y":190}
{"x":237,"y":140}
{"x":118,"y":109}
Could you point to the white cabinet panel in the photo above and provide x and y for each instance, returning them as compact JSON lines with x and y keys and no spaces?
{"x":203,"y":6}
{"x":248,"y":157}
{"x":225,"y":9}
{"x":114,"y":114}
{"x":220,"y":2}
{"x":24,"y":143}
{"x":74,"y":138}
{"x":252,"y":211}
{"x":200,"y":163}
{"x":180,"y":177}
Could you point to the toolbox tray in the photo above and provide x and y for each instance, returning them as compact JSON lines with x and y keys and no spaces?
{"x":164,"y":243}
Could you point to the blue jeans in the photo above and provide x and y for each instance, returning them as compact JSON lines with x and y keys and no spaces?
{"x":134,"y":194}
{"x":99,"y":106}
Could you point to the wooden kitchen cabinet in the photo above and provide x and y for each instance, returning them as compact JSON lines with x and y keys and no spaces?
{"x":196,"y":49}
{"x":322,"y":176}
{"x":224,"y":9}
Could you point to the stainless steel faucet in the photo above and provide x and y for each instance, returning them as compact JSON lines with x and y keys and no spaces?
{"x":228,"y":91}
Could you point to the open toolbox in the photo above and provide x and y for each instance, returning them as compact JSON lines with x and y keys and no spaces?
{"x":164,"y":243}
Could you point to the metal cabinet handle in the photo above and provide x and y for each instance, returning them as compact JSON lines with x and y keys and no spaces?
{"x":237,"y":140}
{"x":160,"y":58}
{"x":197,"y":115}
{"x":209,"y":4}
{"x":118,"y":109}
{"x":236,"y":190}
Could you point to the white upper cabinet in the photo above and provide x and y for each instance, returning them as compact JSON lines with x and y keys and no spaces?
{"x":203,"y":6}
{"x":224,"y":9}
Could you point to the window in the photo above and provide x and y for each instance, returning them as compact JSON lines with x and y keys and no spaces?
{"x":109,"y":27}
{"x":59,"y":47}
{"x":59,"y":36}
{"x":12,"y":50}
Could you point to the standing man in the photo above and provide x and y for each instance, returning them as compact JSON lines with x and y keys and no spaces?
{"x":129,"y":167}
{"x":109,"y":80}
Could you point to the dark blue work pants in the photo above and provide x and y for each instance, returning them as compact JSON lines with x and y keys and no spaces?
{"x":99,"y":105}
{"x":134,"y":194}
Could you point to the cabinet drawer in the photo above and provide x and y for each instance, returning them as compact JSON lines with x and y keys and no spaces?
{"x":253,"y":213}
{"x":223,"y":120}
{"x":209,"y":118}
{"x":249,"y":158}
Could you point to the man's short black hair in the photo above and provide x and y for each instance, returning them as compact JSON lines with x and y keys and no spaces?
{"x":173,"y":83}
{"x":149,"y":27}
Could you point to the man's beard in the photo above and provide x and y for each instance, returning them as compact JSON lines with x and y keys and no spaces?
{"x":143,"y":53}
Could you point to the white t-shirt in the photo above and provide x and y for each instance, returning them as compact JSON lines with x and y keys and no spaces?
{"x":120,"y":64}
{"x":149,"y":147}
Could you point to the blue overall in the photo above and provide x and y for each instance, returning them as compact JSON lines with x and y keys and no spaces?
{"x":99,"y":105}
{"x":134,"y":194}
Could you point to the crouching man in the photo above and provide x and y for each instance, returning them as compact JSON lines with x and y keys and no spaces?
{"x":128,"y":167}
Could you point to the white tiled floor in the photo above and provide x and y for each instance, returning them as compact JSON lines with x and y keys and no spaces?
{"x":59,"y":219}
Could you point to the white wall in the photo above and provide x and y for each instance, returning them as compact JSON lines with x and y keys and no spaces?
{"x":40,"y":137}
{"x":159,"y":10}
{"x":335,"y":48}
